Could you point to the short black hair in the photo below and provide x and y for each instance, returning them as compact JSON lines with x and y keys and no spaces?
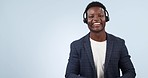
{"x":95,"y":4}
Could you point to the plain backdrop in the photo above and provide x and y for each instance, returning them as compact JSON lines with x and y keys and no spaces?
{"x":35,"y":35}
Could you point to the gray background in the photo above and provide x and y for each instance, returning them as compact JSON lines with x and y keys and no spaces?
{"x":35,"y":35}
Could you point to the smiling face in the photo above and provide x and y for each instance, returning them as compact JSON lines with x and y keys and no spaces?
{"x":96,"y":19}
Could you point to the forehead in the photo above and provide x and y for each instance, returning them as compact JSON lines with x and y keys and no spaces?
{"x":95,"y":9}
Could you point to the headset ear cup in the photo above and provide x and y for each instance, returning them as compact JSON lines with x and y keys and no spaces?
{"x":107,"y":18}
{"x":85,"y":20}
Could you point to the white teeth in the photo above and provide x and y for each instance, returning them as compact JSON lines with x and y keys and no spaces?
{"x":97,"y":23}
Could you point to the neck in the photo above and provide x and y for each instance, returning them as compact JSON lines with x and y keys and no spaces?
{"x":101,"y":36}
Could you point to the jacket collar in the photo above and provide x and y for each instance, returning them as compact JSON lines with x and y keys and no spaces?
{"x":88,"y":50}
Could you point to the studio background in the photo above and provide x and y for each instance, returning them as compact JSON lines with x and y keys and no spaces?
{"x":35,"y":35}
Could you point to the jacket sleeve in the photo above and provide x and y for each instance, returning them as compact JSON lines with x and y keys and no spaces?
{"x":127,"y":68}
{"x":73,"y":66}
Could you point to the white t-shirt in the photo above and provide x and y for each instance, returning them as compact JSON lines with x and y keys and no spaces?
{"x":99,"y":51}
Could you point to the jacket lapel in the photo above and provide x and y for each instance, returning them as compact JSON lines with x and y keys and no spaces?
{"x":88,"y":50}
{"x":108,"y":51}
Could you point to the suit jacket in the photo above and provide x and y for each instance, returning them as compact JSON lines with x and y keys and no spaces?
{"x":81,"y":63}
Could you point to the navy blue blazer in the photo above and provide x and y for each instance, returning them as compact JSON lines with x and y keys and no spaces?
{"x":81,"y":63}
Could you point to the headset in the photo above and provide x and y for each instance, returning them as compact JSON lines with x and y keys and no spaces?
{"x":94,"y":4}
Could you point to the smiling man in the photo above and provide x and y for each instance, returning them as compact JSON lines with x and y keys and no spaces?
{"x":99,"y":54}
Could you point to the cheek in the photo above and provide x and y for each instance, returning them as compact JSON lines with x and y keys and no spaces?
{"x":104,"y":19}
{"x":89,"y":20}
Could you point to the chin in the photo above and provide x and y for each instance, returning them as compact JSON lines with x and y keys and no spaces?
{"x":98,"y":30}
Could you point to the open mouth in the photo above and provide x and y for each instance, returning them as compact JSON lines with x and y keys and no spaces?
{"x":97,"y":24}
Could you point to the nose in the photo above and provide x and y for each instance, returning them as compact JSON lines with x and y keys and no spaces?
{"x":97,"y":19}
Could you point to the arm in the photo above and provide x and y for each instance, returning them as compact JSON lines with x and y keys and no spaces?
{"x":73,"y":66}
{"x":125,"y":63}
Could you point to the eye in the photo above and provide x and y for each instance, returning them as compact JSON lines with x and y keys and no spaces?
{"x":91,"y":16}
{"x":101,"y":15}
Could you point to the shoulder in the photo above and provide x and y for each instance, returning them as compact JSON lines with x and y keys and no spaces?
{"x":85,"y":40}
{"x":118,"y":42}
{"x":115,"y":38}
{"x":81,"y":40}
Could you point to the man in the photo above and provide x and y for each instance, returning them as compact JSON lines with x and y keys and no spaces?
{"x":99,"y":54}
